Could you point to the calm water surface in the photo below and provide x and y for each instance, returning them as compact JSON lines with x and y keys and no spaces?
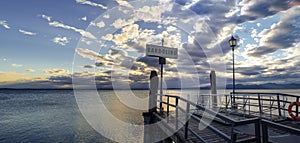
{"x":43,"y":116}
{"x":53,"y":116}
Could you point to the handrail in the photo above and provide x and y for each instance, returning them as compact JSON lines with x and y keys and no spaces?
{"x":209,"y":111}
{"x":266,"y":124}
{"x":262,"y":101}
{"x":276,"y":103}
{"x":269,"y":93}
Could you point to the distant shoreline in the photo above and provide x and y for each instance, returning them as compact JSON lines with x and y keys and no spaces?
{"x":228,"y":87}
{"x":148,"y":89}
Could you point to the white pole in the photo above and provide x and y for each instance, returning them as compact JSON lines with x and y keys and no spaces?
{"x":213,"y":86}
{"x":161,"y":78}
{"x":153,"y":91}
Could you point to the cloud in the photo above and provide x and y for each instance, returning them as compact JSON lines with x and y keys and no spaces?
{"x":48,"y":18}
{"x":16,"y":65}
{"x":106,"y":16}
{"x":251,"y":71}
{"x":64,"y":26}
{"x":57,"y":72}
{"x":222,"y":18}
{"x":88,"y":66}
{"x":61,"y":79}
{"x":130,"y":31}
{"x":124,"y":3}
{"x":108,"y":37}
{"x":30,"y":70}
{"x":61,"y":40}
{"x":131,"y":37}
{"x":171,"y":28}
{"x":255,"y":9}
{"x":86,"y":53}
{"x":26,"y":32}
{"x":150,"y":13}
{"x":12,"y":77}
{"x":82,"y":32}
{"x":91,"y":3}
{"x":99,"y":24}
{"x":149,"y":61}
{"x":4,"y":24}
{"x":119,"y":23}
{"x":282,"y":35}
{"x":84,"y":18}
{"x":99,"y":64}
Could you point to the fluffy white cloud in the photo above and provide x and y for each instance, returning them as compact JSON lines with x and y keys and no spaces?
{"x":106,"y":16}
{"x":30,"y":70}
{"x":119,"y":23}
{"x":94,"y":56}
{"x":124,"y":3}
{"x":149,"y":13}
{"x":61,"y":40}
{"x":99,"y":24}
{"x":108,"y":37}
{"x":48,"y":18}
{"x":84,"y":18}
{"x":4,"y":24}
{"x":82,"y":32}
{"x":57,"y":72}
{"x":16,"y":65}
{"x":26,"y":32}
{"x":258,"y":24}
{"x":128,"y":32}
{"x":91,"y":3}
{"x":171,"y":28}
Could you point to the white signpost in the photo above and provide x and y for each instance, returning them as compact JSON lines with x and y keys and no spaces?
{"x":161,"y":52}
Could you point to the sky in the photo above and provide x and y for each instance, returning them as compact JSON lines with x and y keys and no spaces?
{"x":87,"y":43}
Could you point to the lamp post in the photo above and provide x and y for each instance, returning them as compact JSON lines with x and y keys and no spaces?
{"x":162,"y":61}
{"x":232,"y":43}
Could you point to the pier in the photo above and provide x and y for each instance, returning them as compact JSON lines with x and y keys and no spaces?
{"x":239,"y":117}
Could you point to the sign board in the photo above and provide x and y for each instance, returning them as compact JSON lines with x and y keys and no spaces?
{"x":160,"y":51}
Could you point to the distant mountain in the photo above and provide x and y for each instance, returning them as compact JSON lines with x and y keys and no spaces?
{"x":266,"y":86}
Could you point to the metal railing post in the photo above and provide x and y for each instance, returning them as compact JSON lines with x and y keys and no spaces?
{"x":168,"y":107}
{"x":265,"y":134}
{"x":176,"y":114}
{"x":259,"y":104}
{"x":257,"y":130}
{"x":278,"y":105}
{"x":233,"y":134}
{"x":186,"y":131}
{"x":231,"y":100}
{"x":297,"y":107}
{"x":271,"y":105}
{"x":226,"y":103}
{"x":249,"y":105}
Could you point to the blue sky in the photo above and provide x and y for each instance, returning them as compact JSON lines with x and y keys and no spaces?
{"x":46,"y":43}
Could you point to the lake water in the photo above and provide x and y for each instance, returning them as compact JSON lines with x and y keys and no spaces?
{"x":53,"y":115}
